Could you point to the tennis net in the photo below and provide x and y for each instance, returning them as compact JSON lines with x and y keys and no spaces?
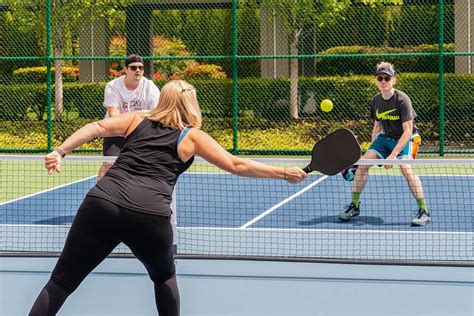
{"x":222,"y":215}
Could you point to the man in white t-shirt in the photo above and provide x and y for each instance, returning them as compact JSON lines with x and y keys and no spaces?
{"x":131,"y":92}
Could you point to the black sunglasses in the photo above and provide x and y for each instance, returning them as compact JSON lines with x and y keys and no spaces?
{"x":134,"y":68}
{"x":383,"y":78}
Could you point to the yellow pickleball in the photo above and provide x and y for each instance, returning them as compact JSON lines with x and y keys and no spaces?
{"x":326,"y":105}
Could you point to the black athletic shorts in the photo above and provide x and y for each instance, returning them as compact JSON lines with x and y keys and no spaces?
{"x":112,"y":145}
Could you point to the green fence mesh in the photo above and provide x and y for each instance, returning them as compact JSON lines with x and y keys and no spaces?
{"x":261,"y":68}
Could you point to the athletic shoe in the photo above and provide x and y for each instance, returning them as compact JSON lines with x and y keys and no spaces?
{"x":349,"y":173}
{"x":422,"y":218}
{"x":352,"y":211}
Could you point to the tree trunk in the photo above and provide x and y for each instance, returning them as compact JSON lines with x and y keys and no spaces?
{"x":58,"y":74}
{"x":294,"y":77}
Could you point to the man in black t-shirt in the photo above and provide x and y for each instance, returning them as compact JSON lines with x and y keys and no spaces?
{"x":394,"y":136}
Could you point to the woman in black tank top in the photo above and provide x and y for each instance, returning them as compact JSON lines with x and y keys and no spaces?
{"x":131,"y":203}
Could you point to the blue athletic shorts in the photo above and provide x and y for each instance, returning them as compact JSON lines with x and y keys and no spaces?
{"x":383,"y":146}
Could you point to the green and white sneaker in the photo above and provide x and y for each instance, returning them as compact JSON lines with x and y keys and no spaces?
{"x":421,"y":219}
{"x":351,"y":211}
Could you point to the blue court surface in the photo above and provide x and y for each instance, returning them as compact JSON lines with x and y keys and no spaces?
{"x":222,"y":214}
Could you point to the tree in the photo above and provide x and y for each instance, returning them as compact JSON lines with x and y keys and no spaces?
{"x":65,"y":16}
{"x":297,"y":14}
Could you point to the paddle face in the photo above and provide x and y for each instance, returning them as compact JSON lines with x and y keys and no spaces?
{"x":334,"y":153}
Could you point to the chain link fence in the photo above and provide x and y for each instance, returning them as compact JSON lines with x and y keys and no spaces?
{"x":261,"y":68}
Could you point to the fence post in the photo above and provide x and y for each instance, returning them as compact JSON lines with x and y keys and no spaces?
{"x":235,"y":95}
{"x":441,"y":75}
{"x":49,"y":60}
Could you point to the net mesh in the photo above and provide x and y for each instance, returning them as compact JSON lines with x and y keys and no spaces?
{"x":219,"y":214}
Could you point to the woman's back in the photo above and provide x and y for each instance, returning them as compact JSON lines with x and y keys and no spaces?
{"x":143,"y":176}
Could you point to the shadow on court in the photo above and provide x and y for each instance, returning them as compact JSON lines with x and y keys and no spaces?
{"x":356,"y":221}
{"x":58,"y":220}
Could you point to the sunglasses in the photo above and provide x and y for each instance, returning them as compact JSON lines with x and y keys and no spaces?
{"x":383,"y":78}
{"x":135,"y":68}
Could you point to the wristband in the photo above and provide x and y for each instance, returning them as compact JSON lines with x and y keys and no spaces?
{"x":60,"y":151}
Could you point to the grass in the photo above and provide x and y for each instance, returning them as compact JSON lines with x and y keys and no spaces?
{"x":21,"y":178}
{"x":25,"y":177}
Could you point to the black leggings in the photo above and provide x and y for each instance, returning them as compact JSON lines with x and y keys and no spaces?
{"x":98,"y":228}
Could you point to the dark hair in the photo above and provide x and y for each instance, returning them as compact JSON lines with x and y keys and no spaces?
{"x":133,"y":59}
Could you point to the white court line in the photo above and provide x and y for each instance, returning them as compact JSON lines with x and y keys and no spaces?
{"x":45,"y":191}
{"x":282,"y":203}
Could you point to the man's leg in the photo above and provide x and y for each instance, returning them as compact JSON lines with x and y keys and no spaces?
{"x":416,"y":188}
{"x":360,"y":180}
{"x":111,"y":147}
{"x":414,"y":183}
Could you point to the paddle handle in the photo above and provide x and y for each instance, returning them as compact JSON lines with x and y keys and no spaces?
{"x":307,"y":169}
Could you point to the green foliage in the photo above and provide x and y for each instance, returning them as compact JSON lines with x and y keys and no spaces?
{"x":19,"y":99}
{"x":33,"y":135}
{"x":187,"y":69}
{"x":263,"y":116}
{"x":215,"y":97}
{"x":365,"y":65}
{"x":38,"y":74}
{"x":202,"y":71}
{"x":17,"y":39}
{"x":86,"y":98}
{"x":163,"y":46}
{"x":296,"y":14}
{"x":204,"y":32}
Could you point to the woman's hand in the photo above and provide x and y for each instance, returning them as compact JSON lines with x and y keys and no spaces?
{"x":52,"y":162}
{"x":295,"y":175}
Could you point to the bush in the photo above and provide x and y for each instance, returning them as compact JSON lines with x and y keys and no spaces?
{"x":214,"y":96}
{"x":163,"y":69}
{"x":33,"y":135}
{"x":87,"y":98}
{"x":366,"y":65}
{"x":203,"y":71}
{"x":38,"y":74}
{"x":263,"y":106}
{"x":18,"y":99}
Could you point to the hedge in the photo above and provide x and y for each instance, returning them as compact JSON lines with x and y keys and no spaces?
{"x":265,"y":98}
{"x":366,"y":65}
{"x":38,"y":74}
{"x":86,"y":98}
{"x":18,"y":99}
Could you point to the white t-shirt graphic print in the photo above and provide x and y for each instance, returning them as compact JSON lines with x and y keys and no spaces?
{"x":143,"y":98}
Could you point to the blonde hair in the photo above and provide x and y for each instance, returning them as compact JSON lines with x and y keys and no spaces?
{"x":385,"y":64}
{"x":178,"y":106}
